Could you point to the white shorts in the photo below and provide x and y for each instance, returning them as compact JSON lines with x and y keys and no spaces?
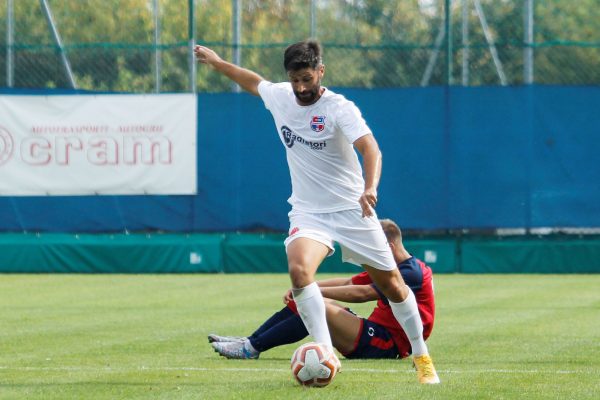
{"x":361,"y":239}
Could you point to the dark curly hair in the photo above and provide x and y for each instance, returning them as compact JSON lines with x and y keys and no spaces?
{"x":305,"y":54}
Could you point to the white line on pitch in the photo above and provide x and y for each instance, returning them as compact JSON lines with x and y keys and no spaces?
{"x":358,"y":370}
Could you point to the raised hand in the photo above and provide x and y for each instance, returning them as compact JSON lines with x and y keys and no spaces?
{"x":206,"y":55}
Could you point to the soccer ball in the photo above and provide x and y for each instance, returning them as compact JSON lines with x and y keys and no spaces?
{"x":314,"y":365}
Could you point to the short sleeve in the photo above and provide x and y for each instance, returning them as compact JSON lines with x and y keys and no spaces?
{"x":265,"y":90}
{"x":351,"y":122}
{"x":361,"y":279}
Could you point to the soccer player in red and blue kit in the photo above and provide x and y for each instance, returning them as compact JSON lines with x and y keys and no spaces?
{"x":378,"y":336}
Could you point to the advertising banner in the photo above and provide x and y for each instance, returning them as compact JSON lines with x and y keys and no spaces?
{"x":98,"y":144}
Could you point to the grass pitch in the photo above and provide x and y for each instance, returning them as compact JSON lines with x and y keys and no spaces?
{"x":144,"y":337}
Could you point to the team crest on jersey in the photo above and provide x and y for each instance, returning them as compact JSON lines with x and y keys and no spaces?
{"x":317,"y":123}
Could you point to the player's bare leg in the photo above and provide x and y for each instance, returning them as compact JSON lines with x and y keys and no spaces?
{"x":304,"y":257}
{"x":404,"y":306}
{"x":344,"y":326}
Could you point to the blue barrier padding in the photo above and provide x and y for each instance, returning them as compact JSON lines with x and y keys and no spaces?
{"x":453,"y":157}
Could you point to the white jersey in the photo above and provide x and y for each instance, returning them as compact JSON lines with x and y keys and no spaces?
{"x":324,"y":168}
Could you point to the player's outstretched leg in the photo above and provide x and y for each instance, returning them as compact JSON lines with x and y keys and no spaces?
{"x":213,"y":337}
{"x":283,"y":316}
{"x":236,"y":350}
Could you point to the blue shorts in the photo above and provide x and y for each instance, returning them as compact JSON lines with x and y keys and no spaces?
{"x":373,"y":341}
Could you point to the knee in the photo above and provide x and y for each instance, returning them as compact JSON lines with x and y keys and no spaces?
{"x":394,"y":289}
{"x":299,"y":274}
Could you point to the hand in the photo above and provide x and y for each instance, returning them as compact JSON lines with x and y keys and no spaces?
{"x":368,"y":202}
{"x":206,"y":55}
{"x":288,"y":296}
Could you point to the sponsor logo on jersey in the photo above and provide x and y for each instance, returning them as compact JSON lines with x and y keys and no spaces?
{"x":294,"y":231}
{"x":290,"y":138}
{"x":317,"y":123}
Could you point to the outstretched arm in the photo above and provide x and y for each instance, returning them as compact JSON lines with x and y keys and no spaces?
{"x":335,"y":282}
{"x":350,"y":293}
{"x":248,"y":80}
{"x":287,"y":297}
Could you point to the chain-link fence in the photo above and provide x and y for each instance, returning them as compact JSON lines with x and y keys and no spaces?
{"x":145,"y":45}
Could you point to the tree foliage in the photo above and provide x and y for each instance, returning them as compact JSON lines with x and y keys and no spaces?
{"x":368,"y":43}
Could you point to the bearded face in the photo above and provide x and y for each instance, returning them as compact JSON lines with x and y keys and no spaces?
{"x":306,"y":84}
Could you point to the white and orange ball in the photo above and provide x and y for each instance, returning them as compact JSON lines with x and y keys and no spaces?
{"x":314,"y":365}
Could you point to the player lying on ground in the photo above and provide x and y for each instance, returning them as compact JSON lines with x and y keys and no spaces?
{"x":379,"y":336}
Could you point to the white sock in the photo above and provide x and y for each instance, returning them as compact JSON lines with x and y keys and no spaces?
{"x":409,"y":319}
{"x":311,"y":308}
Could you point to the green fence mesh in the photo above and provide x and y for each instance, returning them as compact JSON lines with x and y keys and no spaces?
{"x":144,"y":45}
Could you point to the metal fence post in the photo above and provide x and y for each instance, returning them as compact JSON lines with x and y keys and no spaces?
{"x":465,"y":42}
{"x":434,"y":55}
{"x":157,"y":52}
{"x":54,"y":30}
{"x":192,"y":43}
{"x":237,"y":36}
{"x":448,"y":30}
{"x":490,"y":40}
{"x":10,"y":34}
{"x":528,"y":39}
{"x":313,"y":18}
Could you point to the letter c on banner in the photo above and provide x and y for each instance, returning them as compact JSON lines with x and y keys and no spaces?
{"x":36,"y":151}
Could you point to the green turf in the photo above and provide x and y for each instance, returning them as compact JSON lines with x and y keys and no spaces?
{"x":144,"y":337}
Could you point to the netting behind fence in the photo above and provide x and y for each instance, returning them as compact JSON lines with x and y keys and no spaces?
{"x":144,"y":45}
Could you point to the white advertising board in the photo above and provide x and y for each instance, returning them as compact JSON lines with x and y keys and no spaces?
{"x":98,"y":144}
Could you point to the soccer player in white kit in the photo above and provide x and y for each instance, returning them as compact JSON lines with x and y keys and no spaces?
{"x":331,"y":199}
